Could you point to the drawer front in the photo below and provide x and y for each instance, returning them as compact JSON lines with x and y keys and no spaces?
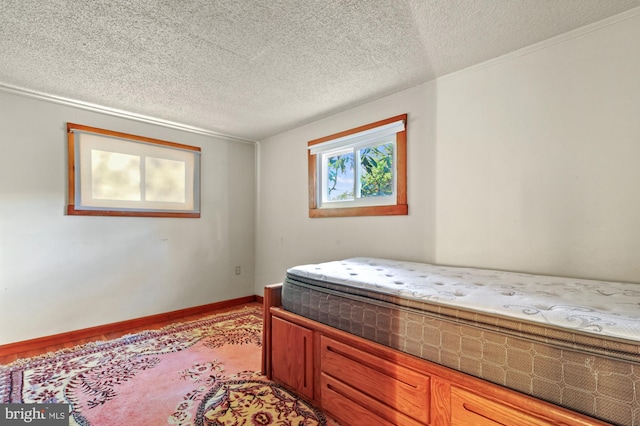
{"x":292,"y":353}
{"x":468,"y":408}
{"x":375,"y":379}
{"x":355,"y":408}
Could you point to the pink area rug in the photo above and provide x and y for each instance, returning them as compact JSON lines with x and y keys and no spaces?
{"x":204,"y":372}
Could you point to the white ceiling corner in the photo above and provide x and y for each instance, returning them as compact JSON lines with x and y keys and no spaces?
{"x":250,"y":69}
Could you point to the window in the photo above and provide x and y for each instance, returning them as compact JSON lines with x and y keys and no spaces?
{"x":360,"y":172}
{"x":117,"y":174}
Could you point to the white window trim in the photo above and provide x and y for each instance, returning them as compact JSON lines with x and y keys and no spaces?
{"x":364,"y":138}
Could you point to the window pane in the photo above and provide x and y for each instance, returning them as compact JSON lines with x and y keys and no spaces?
{"x":376,"y":170}
{"x":165,"y":180}
{"x":115,"y":176}
{"x":340,"y":177}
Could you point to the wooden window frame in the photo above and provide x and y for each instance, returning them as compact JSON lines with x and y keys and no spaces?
{"x":71,"y":172}
{"x":399,"y":208}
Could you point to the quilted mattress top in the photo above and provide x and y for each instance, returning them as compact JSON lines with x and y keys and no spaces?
{"x":596,"y":307}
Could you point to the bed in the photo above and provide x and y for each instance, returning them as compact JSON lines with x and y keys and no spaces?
{"x":570,"y":344}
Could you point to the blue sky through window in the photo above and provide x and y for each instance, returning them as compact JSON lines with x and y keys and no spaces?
{"x":340,"y":186}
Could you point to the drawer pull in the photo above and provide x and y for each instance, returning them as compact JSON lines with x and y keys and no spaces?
{"x":478,"y":412}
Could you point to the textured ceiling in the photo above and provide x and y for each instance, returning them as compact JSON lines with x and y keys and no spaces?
{"x":255,"y":68}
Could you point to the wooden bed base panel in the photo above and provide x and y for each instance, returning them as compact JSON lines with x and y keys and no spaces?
{"x":360,"y":382}
{"x":272,"y":297}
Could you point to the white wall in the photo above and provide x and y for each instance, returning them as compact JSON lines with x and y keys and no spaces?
{"x":60,"y":273}
{"x":527,"y":163}
{"x":539,"y":159}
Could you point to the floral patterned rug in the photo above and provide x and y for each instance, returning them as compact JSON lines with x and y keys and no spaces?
{"x":203,"y":372}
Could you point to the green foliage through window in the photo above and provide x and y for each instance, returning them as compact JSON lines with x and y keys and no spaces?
{"x":377,"y":178}
{"x":374,"y":173}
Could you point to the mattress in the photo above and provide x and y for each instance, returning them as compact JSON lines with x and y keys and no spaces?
{"x":572,"y":342}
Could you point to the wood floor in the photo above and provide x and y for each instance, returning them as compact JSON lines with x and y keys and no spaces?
{"x":11,"y":357}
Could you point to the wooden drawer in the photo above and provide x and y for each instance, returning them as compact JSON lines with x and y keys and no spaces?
{"x":394,"y":392}
{"x":354,"y":408}
{"x":468,"y":408}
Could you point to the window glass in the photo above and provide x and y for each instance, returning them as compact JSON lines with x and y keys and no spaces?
{"x":115,"y":176}
{"x":340,"y":178}
{"x":165,"y":180}
{"x":377,"y":169}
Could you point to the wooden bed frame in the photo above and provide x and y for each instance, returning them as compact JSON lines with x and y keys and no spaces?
{"x":359,"y":382}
